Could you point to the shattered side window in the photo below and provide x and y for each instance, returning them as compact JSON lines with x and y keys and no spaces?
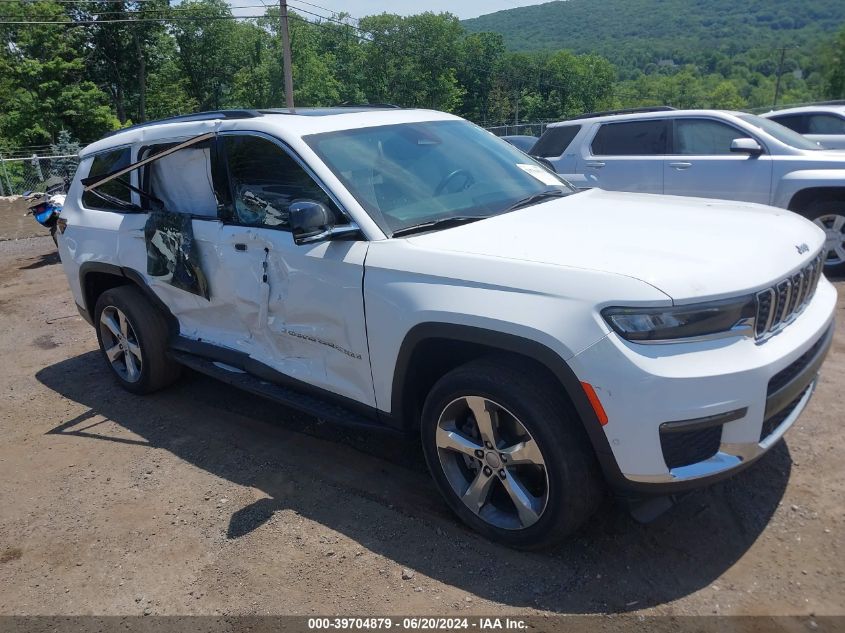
{"x":106,"y":163}
{"x":265,"y":180}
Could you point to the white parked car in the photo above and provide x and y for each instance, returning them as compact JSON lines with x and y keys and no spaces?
{"x":823,"y":123}
{"x":407,"y":269}
{"x":707,"y":153}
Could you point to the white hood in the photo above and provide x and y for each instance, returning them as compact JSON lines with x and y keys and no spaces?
{"x":690,"y":248}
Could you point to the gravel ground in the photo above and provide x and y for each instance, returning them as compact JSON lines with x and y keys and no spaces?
{"x":205,"y":500}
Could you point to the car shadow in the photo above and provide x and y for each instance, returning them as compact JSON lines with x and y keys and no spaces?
{"x":47,"y":259}
{"x":612,"y":565}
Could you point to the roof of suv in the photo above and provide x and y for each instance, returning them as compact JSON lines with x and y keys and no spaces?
{"x":838,"y":108}
{"x":651,"y":114}
{"x":303,"y":120}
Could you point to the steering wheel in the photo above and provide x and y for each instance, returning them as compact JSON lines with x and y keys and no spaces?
{"x":469,"y":180}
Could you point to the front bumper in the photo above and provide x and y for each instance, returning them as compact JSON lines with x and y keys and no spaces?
{"x":734,"y":398}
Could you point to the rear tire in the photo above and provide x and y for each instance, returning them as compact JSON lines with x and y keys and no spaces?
{"x":829,"y":215}
{"x":544,"y":481}
{"x":133,"y":337}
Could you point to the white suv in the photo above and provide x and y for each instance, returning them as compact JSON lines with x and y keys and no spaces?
{"x":407,"y":269}
{"x":707,"y":153}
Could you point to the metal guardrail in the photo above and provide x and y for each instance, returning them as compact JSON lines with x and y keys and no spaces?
{"x":520,"y":129}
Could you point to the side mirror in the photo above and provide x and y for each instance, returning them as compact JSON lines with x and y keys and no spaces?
{"x":309,"y":221}
{"x":746,"y":146}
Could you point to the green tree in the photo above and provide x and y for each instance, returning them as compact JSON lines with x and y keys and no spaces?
{"x":412,"y":60}
{"x":210,"y":51}
{"x":45,"y":81}
{"x":479,"y":72}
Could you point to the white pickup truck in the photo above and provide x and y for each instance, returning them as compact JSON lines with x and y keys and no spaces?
{"x":706,"y":153}
{"x":407,"y":269}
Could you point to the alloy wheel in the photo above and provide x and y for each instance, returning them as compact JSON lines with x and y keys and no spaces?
{"x":492,"y":462}
{"x":120,"y":344}
{"x":833,"y":225}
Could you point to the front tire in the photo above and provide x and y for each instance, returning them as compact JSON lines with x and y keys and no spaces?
{"x":829,"y":215}
{"x":505,"y":451}
{"x":133,"y":338}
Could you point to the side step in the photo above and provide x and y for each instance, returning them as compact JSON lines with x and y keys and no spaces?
{"x":295,"y":399}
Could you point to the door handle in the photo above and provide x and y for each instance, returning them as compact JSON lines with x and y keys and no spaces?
{"x":680,"y":165}
{"x":595,"y":163}
{"x":240,"y":247}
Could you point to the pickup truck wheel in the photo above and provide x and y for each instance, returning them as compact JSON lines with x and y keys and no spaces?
{"x":829,"y":215}
{"x":505,"y":453}
{"x":133,"y":340}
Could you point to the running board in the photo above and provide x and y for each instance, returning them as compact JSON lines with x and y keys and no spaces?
{"x":295,"y":399}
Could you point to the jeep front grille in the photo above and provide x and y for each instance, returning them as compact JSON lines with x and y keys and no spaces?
{"x":779,"y":305}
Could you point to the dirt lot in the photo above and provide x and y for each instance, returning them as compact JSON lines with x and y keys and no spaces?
{"x":204,"y":500}
{"x":14,"y":223}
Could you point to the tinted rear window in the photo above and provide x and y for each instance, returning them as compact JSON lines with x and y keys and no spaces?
{"x":825,"y":124}
{"x":555,"y":140}
{"x":632,"y":138}
{"x":796,"y":122}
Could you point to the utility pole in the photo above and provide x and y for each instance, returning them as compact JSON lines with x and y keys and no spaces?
{"x":283,"y":14}
{"x":780,"y":71}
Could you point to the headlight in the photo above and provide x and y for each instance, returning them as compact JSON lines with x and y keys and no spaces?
{"x":734,"y":317}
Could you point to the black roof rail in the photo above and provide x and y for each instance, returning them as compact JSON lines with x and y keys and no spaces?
{"x":590,"y":115}
{"x":346,"y":104}
{"x":210,"y":115}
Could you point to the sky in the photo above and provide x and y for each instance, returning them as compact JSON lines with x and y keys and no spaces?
{"x":359,"y":8}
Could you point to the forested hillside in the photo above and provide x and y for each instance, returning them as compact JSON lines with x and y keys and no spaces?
{"x":635,"y":33}
{"x":691,"y":53}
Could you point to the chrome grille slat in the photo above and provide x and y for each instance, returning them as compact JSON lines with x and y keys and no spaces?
{"x":782,"y":299}
{"x":803,"y":284}
{"x":795,"y":286}
{"x":780,"y":304}
{"x":765,"y":315}
{"x":798,"y":287}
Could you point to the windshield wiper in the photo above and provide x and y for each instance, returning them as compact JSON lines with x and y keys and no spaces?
{"x":534,"y":198}
{"x":444,"y":223}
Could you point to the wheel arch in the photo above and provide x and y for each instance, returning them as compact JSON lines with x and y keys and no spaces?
{"x":803,"y":198}
{"x":97,"y":277}
{"x":429,"y":350}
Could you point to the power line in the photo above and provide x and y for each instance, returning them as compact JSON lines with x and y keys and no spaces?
{"x":317,"y":6}
{"x":328,"y":18}
{"x":151,"y":11}
{"x":28,"y":3}
{"x":198,"y":18}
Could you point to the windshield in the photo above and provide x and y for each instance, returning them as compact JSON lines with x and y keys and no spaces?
{"x":409,"y":174}
{"x":780,"y":132}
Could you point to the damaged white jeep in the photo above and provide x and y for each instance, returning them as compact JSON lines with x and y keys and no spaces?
{"x":405,"y":268}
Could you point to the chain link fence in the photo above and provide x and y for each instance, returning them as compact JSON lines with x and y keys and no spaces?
{"x":18,"y":175}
